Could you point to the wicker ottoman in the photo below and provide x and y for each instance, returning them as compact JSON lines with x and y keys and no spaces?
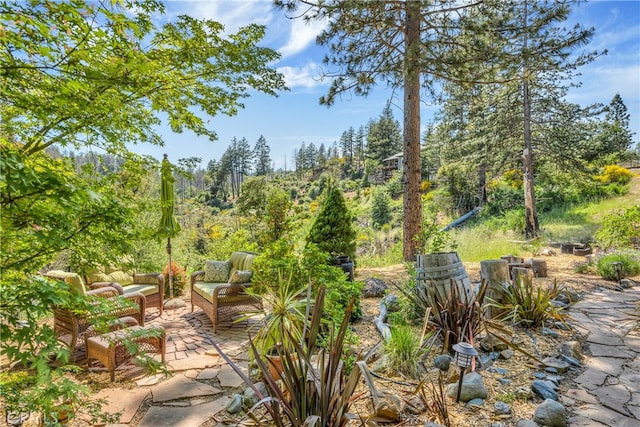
{"x":110,"y":350}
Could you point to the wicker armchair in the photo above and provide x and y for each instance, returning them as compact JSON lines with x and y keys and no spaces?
{"x":70,"y":325}
{"x":220,"y":288}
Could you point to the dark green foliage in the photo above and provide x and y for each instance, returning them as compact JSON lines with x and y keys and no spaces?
{"x":380,"y":208}
{"x":629,"y":264}
{"x":385,"y":136}
{"x":309,"y":269}
{"x":333,"y":231}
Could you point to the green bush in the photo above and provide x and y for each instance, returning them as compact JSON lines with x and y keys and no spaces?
{"x":620,"y":229}
{"x":380,"y":208}
{"x":629,"y":264}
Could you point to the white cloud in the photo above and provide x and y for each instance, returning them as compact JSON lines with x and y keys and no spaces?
{"x":232,"y":13}
{"x":302,"y":34}
{"x":308,"y":76}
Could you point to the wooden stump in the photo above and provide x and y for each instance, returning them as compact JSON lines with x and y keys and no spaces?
{"x":539,"y":267}
{"x":495,"y":272}
{"x":522,"y":273}
{"x":511,"y":259}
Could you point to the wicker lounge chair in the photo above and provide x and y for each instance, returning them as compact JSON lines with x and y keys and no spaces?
{"x":219,"y":289}
{"x":69,"y":325}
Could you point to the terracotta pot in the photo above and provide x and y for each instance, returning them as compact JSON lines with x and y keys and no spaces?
{"x":274,"y":363}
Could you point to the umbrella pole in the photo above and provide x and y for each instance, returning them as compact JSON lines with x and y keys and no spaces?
{"x":170,"y":269}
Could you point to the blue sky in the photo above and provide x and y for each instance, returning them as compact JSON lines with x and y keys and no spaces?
{"x":296,"y":116}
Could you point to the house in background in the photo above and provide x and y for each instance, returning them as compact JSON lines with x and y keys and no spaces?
{"x":392,"y":164}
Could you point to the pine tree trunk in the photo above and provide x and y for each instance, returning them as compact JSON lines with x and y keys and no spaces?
{"x":411,"y":138}
{"x":531,"y":217}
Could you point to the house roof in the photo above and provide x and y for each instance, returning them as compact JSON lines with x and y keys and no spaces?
{"x":395,"y":156}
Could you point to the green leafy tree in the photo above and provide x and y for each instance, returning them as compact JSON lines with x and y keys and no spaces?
{"x":99,"y":74}
{"x":93,"y":73}
{"x":277,"y":216}
{"x":539,"y":56}
{"x":332,"y":231}
{"x":612,"y":139}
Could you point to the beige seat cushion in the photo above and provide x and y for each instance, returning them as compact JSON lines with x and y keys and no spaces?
{"x":73,"y":279}
{"x":145,"y":289}
{"x":205,"y":289}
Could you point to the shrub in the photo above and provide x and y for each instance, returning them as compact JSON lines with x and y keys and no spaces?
{"x":433,"y":239}
{"x":333,"y":231}
{"x":179,"y":280}
{"x":380,"y":209}
{"x":620,"y":229}
{"x":455,"y":316}
{"x":629,"y":264}
{"x":615,"y":174}
{"x":404,"y":352}
{"x":529,"y":306}
{"x":307,"y":392}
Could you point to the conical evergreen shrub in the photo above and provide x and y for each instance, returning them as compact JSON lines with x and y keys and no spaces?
{"x":333,"y":230}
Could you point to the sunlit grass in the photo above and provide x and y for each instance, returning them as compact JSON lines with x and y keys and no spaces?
{"x":480,"y":243}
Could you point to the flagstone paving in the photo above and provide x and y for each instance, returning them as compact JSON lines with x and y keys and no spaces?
{"x":606,"y":393}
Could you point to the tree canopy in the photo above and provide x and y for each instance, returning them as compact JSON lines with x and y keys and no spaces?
{"x":92,"y":74}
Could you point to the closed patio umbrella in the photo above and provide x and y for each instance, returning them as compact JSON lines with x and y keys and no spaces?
{"x":169,"y":226}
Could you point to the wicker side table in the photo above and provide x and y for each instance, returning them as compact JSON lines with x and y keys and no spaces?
{"x":110,"y":350}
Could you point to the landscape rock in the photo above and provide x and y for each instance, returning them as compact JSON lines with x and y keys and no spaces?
{"x":527,"y":423}
{"x":491,"y":343}
{"x":374,"y":288}
{"x":545,"y":389}
{"x":501,"y":408}
{"x":250,"y":397}
{"x":554,"y":362}
{"x":550,"y":414}
{"x":235,"y":404}
{"x":475,"y":402}
{"x":415,"y":405}
{"x":572,"y":349}
{"x":548,"y":332}
{"x":506,"y":354}
{"x":442,"y":362}
{"x":472,"y":388}
{"x":388,"y":406}
{"x":571,"y":361}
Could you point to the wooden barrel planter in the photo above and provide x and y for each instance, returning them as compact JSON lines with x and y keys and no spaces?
{"x":441,"y":270}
